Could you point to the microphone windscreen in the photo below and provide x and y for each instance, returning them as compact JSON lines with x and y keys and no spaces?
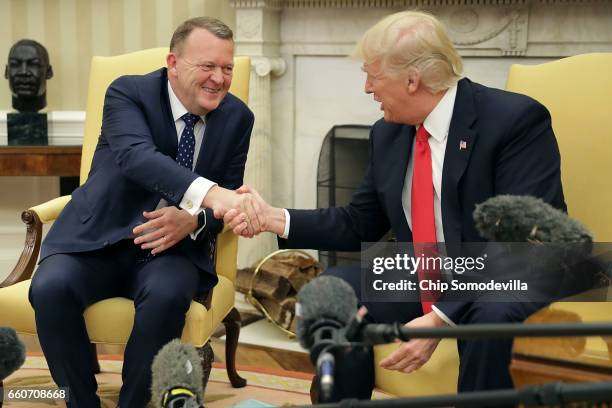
{"x":176,"y":365}
{"x":12,"y":352}
{"x":509,"y":218}
{"x":325,"y":297}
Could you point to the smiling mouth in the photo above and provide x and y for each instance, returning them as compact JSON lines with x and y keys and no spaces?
{"x":211,"y":90}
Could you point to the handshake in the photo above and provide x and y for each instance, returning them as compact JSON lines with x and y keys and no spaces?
{"x":245,"y":212}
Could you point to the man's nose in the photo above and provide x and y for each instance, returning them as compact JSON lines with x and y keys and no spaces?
{"x":217,"y":75}
{"x":368,"y":87}
{"x":23,"y":69}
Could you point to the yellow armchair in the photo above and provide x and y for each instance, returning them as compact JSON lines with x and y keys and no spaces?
{"x":577,"y":92}
{"x":111,"y":320}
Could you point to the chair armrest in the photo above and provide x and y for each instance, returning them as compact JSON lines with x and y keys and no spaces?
{"x":225,"y":261}
{"x":33,"y":218}
{"x":49,"y":211}
{"x":227,"y":251}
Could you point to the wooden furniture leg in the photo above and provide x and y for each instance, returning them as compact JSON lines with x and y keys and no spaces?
{"x":232,"y":330}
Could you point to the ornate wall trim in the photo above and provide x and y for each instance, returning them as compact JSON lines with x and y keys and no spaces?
{"x":398,"y":4}
{"x":258,"y":4}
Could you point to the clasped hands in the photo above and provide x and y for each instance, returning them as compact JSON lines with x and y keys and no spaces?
{"x":247,"y":214}
{"x":243,"y":210}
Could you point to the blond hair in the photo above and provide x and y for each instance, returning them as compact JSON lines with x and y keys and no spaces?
{"x":412,"y":40}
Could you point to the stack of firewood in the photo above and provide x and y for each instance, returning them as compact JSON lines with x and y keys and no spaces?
{"x":274,"y":286}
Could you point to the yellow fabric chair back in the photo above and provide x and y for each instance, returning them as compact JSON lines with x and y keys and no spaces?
{"x":578,"y":93}
{"x":105,"y":70}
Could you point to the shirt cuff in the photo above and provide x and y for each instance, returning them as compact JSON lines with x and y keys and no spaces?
{"x":287,"y":222}
{"x":194,"y":234}
{"x":443,"y":316}
{"x":194,"y":196}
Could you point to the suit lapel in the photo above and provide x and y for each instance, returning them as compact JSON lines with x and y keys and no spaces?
{"x":459,"y":146}
{"x":213,"y":133}
{"x":168,"y":144}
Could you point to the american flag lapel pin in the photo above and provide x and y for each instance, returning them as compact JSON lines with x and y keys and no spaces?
{"x":462,"y":145}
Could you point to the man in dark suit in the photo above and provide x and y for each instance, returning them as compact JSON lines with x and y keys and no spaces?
{"x":445,"y":144}
{"x":142,"y":226}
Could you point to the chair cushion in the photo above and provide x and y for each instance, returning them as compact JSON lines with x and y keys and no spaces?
{"x":438,"y":376}
{"x":15,"y":309}
{"x":111,"y":320}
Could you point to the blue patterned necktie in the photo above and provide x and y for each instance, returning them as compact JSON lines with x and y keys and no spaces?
{"x":184,"y":157}
{"x":186,"y":147}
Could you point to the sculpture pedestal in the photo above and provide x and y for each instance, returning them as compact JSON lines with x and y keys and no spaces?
{"x":27,"y":129}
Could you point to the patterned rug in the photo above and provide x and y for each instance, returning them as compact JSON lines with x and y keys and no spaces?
{"x":266,"y":387}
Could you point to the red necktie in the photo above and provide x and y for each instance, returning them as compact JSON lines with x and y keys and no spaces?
{"x":422,"y":211}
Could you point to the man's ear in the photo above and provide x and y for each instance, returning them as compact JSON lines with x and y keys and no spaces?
{"x":413,"y":80}
{"x":171,"y":63}
{"x":49,"y":72}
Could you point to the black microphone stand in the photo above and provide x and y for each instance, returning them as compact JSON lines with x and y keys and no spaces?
{"x":553,"y":394}
{"x":387,"y":333}
{"x":358,"y":331}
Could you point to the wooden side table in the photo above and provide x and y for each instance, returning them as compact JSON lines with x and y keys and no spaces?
{"x":62,"y":161}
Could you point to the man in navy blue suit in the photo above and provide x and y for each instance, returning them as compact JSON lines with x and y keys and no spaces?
{"x":445,"y":144}
{"x":172,"y":149}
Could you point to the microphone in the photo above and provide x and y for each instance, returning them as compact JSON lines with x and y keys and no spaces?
{"x":562,"y":257}
{"x":177,"y":377}
{"x":325,"y":373}
{"x":324,"y":307}
{"x":511,"y":218}
{"x":12,"y":352}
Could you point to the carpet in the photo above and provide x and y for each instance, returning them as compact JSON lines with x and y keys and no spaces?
{"x":266,"y":387}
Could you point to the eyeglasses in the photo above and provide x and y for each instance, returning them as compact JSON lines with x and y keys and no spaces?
{"x":227,"y":70}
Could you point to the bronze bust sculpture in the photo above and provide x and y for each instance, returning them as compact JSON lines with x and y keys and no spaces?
{"x":27,"y":70}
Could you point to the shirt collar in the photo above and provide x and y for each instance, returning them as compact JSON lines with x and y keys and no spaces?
{"x":438,"y":121}
{"x":178,"y":110}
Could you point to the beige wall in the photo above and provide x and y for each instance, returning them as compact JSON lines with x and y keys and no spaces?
{"x":74,"y":30}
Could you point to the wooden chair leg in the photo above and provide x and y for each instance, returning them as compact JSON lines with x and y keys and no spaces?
{"x":94,"y":358}
{"x":232,"y":331}
{"x":207,"y":356}
{"x":314,"y":393}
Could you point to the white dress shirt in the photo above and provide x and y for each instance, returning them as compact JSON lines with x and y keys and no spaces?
{"x":197,"y":190}
{"x":437,"y":123}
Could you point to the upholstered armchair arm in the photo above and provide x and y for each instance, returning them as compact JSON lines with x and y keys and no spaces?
{"x":49,"y":211}
{"x":34,"y":218}
{"x":225,"y":261}
{"x":227,"y":249}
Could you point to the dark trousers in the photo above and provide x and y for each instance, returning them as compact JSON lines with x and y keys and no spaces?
{"x":484,"y":364}
{"x":64,"y":285}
